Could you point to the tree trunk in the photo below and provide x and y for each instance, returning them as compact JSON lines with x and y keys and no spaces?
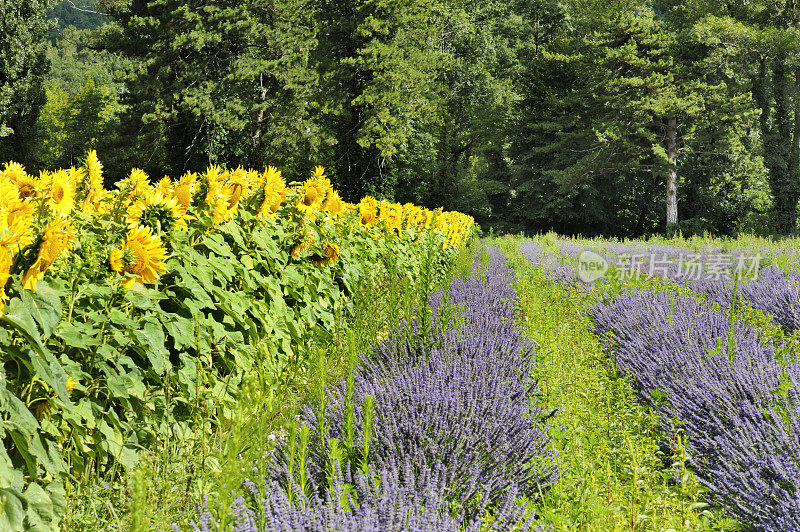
{"x":672,"y":173}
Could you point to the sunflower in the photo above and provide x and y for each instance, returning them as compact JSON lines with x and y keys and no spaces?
{"x":334,"y":204}
{"x":391,"y":214}
{"x":141,"y":257}
{"x":57,"y":237}
{"x":27,"y":185}
{"x":214,"y":179}
{"x":17,"y":219}
{"x":95,"y":191}
{"x":318,"y":173}
{"x":184,"y":189}
{"x":330,"y":254}
{"x":165,"y":186}
{"x":61,"y":197}
{"x":237,"y":187}
{"x":274,"y":192}
{"x":135,"y":185}
{"x":301,"y":248}
{"x":216,"y":193}
{"x":367,"y":211}
{"x":157,"y":211}
{"x":311,"y":196}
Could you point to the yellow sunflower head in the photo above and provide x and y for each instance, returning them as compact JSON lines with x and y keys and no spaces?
{"x":58,"y":237}
{"x":158,"y":212}
{"x":311,"y":196}
{"x":237,"y":187}
{"x":391,"y":214}
{"x":334,"y":204}
{"x":95,"y":191}
{"x":213,"y":180}
{"x":16,"y":225}
{"x":330,"y":254}
{"x":95,"y":170}
{"x":274,"y":192}
{"x":318,"y":173}
{"x":141,"y":257}
{"x":60,"y":193}
{"x":165,"y":186}
{"x":184,"y":190}
{"x":135,"y":185}
{"x":27,"y":185}
{"x":367,"y":211}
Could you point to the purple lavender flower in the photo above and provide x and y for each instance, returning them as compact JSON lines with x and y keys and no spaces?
{"x":720,"y":383}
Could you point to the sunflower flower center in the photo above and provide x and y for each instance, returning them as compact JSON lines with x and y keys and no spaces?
{"x":58,"y":193}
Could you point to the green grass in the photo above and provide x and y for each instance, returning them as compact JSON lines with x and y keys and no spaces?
{"x":614,"y":477}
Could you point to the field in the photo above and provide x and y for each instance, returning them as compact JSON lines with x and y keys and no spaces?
{"x":229,"y":351}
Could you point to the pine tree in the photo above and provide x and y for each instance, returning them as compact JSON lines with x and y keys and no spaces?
{"x":217,"y":81}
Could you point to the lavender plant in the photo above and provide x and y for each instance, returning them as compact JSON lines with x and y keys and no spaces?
{"x":718,"y":381}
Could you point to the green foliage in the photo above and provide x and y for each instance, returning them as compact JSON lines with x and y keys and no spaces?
{"x":762,"y":43}
{"x":22,"y":67}
{"x":80,"y":14}
{"x":70,"y":125}
{"x":215,"y":82}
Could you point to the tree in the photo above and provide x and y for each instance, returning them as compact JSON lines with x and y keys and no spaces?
{"x":762,"y":42}
{"x":378,"y":62}
{"x":71,"y":125}
{"x":22,"y":69}
{"x":216,"y":81}
{"x":610,"y":115}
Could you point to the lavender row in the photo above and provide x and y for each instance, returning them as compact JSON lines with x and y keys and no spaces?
{"x":442,"y":427}
{"x":772,"y":292}
{"x":722,"y":382}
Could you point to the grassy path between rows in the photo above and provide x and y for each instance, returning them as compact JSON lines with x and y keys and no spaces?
{"x":614,"y":476}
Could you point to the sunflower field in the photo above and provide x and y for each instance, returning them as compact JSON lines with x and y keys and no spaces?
{"x":118,"y":306}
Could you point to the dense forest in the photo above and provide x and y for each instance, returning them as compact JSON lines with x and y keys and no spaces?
{"x":612,"y":117}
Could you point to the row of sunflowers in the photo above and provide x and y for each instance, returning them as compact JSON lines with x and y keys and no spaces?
{"x":122,"y":310}
{"x":40,"y":217}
